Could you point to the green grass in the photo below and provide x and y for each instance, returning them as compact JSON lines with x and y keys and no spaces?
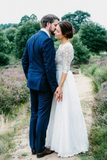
{"x":98,"y":140}
{"x":89,"y":69}
{"x":13,"y":60}
{"x":24,"y":154}
{"x":86,"y":156}
{"x":7,"y":143}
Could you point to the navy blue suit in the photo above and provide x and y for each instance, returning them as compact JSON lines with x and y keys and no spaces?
{"x":38,"y":63}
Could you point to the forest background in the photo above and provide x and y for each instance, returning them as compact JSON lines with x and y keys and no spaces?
{"x":90,"y":48}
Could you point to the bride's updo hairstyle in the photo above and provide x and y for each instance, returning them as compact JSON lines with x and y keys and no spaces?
{"x":67,"y":29}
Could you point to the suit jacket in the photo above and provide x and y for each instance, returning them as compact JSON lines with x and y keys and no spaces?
{"x":38,"y":62}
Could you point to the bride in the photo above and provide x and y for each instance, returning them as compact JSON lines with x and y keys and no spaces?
{"x":66,"y":133}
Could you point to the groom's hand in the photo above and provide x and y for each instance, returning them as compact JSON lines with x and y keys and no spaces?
{"x":59,"y":94}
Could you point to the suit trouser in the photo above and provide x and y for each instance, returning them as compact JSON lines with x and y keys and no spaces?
{"x":40,"y":112}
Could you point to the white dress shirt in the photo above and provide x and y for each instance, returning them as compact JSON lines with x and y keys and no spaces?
{"x":43,"y":29}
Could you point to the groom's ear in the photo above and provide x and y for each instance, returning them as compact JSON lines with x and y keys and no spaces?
{"x":48,"y":24}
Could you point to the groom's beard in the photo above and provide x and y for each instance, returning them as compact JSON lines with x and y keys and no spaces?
{"x":51,"y":31}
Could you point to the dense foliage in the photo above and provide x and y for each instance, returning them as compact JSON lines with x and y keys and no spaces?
{"x":23,"y":34}
{"x":4,"y":43}
{"x":91,"y":37}
{"x":94,"y":37}
{"x":4,"y":26}
{"x":4,"y":59}
{"x":81,"y":53}
{"x":10,"y":33}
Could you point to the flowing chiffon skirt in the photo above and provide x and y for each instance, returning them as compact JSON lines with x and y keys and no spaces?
{"x":67,"y":133}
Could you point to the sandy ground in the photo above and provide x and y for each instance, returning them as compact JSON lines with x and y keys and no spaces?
{"x":22,"y":149}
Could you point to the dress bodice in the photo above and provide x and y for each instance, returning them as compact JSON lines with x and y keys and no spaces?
{"x":64,"y":56}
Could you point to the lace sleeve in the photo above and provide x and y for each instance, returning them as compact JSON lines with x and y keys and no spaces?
{"x":67,"y":57}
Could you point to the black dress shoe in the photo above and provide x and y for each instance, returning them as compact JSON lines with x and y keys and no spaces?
{"x":33,"y":152}
{"x":44,"y":153}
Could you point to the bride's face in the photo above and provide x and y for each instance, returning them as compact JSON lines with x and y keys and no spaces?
{"x":58,"y":33}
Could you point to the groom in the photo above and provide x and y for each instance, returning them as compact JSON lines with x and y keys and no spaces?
{"x":38,"y":63}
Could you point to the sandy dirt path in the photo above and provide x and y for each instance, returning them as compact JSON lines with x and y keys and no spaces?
{"x":22,"y":149}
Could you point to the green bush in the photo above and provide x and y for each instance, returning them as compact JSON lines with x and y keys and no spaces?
{"x":97,"y":71}
{"x":4,"y":59}
{"x":10,"y":33}
{"x":92,"y":69}
{"x":81,"y":53}
{"x":93,"y":36}
{"x":98,"y":140}
{"x":99,"y":76}
{"x":89,"y":70}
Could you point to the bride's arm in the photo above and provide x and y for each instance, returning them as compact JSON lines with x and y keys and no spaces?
{"x":63,"y":77}
{"x":59,"y":88}
{"x":66,"y":56}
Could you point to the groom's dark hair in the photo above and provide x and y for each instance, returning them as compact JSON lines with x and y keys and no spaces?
{"x":48,"y":18}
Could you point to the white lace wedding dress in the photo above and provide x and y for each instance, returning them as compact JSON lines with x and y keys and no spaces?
{"x":66,"y":133}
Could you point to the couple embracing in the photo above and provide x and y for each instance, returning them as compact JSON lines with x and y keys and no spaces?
{"x":57,"y":122}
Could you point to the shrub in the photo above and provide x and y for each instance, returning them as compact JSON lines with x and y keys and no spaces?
{"x":98,"y":137}
{"x":92,"y":69}
{"x":13,"y":90}
{"x":4,"y":59}
{"x":81,"y":53}
{"x":100,"y":76}
{"x":98,"y":140}
{"x":89,"y":70}
{"x":97,"y":69}
{"x":10,"y":33}
{"x":100,"y":108}
{"x":94,"y":37}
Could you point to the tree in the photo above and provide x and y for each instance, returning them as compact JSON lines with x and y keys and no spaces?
{"x":77,"y":18}
{"x":15,"y":25}
{"x":81,"y":53}
{"x":4,"y":26}
{"x":33,"y":17}
{"x":23,"y":34}
{"x":93,"y":36}
{"x":10,"y":33}
{"x":25,"y":19}
{"x":4,"y":43}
